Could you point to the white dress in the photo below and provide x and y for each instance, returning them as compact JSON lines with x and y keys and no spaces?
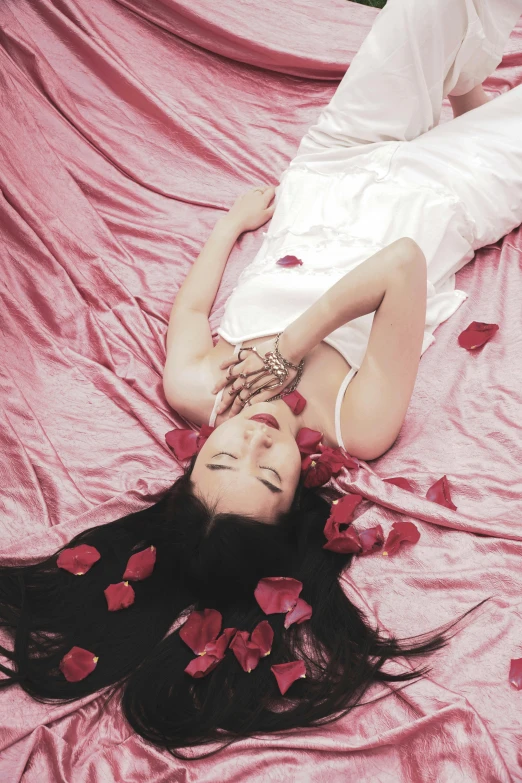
{"x":377,"y":166}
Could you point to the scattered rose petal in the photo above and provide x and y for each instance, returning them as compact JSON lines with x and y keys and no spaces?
{"x":77,"y":664}
{"x":119,"y":596}
{"x":476,"y":335}
{"x":204,"y":433}
{"x":440,"y":493}
{"x":78,"y":560}
{"x":301,"y":612}
{"x":247,"y":653}
{"x":515,"y":673}
{"x":277,"y":593}
{"x":140,"y":565}
{"x":184,"y":443}
{"x":346,"y":543}
{"x":295,"y":401}
{"x":308,"y":440}
{"x":401,"y":531}
{"x":200,"y":629}
{"x":337,"y":459}
{"x":400,"y":482}
{"x":341,"y":513}
{"x":371,"y":539}
{"x":317,"y":474}
{"x":263,"y":636}
{"x":219,"y":647}
{"x":289,"y":261}
{"x":201,"y":666}
{"x":287,"y":673}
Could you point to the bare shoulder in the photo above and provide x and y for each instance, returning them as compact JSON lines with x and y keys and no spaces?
{"x":189,"y":392}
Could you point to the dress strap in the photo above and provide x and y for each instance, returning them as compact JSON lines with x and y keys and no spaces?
{"x":219,"y":395}
{"x":338,"y":403}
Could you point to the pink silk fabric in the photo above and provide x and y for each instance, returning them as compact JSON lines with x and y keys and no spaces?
{"x":127,"y":129}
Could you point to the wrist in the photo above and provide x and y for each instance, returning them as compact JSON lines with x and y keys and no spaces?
{"x":288,"y":349}
{"x":229,"y":225}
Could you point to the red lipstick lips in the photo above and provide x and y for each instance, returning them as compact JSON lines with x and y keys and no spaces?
{"x":266,"y":418}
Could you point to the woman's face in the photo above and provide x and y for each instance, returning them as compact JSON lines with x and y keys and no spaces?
{"x":247,"y":466}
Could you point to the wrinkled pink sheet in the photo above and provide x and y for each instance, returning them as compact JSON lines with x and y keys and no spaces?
{"x":126,"y":129}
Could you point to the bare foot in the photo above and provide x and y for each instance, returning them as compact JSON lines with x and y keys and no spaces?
{"x":470,"y":100}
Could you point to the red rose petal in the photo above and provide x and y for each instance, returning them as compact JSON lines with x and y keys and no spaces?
{"x":440,"y":493}
{"x":401,"y":531}
{"x":201,"y":666}
{"x":287,"y":673}
{"x":77,"y":664}
{"x":78,"y":560}
{"x":317,"y":474}
{"x":301,"y":612}
{"x":263,"y":636}
{"x":308,"y":440}
{"x":295,"y":401}
{"x":140,"y":565}
{"x":200,"y":629}
{"x":184,"y":443}
{"x":476,"y":335}
{"x":247,"y":653}
{"x":119,"y":596}
{"x":515,"y":673}
{"x":277,"y":593}
{"x":400,"y":482}
{"x":219,"y":647}
{"x":289,"y":261}
{"x":371,"y":539}
{"x":347,"y":543}
{"x":341,"y":513}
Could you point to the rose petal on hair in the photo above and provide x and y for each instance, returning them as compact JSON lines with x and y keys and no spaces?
{"x":247,"y":653}
{"x":371,"y":539}
{"x":400,"y":482}
{"x":476,"y":335}
{"x":201,"y":628}
{"x":263,"y":636}
{"x":184,"y":443}
{"x":77,"y":664}
{"x":301,"y":612}
{"x":119,"y":596}
{"x":341,"y":513}
{"x":78,"y":560}
{"x":141,"y":564}
{"x":287,"y":673}
{"x":289,"y":261}
{"x":440,"y":493}
{"x":308,"y":440}
{"x":317,"y":474}
{"x":295,"y":401}
{"x":346,"y":543}
{"x":400,"y":532}
{"x":219,"y":647}
{"x":515,"y":673}
{"x":277,"y":593}
{"x":201,"y":666}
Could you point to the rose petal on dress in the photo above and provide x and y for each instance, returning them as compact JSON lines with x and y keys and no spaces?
{"x":346,"y":543}
{"x":247,"y":653}
{"x":302,"y":611}
{"x":141,"y":564}
{"x":401,"y":531}
{"x":79,"y":559}
{"x":289,"y":261}
{"x":277,"y":593}
{"x":287,"y":673}
{"x":200,"y":629}
{"x":317,"y":474}
{"x":295,"y":401}
{"x":341,"y":513}
{"x":201,"y":666}
{"x":308,"y":440}
{"x":184,"y":443}
{"x":440,"y":493}
{"x":263,"y":636}
{"x":400,"y":482}
{"x":77,"y":664}
{"x":476,"y":335}
{"x":515,"y":673}
{"x":119,"y":596}
{"x":371,"y":539}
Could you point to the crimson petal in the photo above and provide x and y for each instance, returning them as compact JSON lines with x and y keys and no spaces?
{"x":476,"y":335}
{"x":341,"y":513}
{"x":371,"y":539}
{"x":184,"y":443}
{"x":263,"y":636}
{"x":308,"y":440}
{"x":440,"y":493}
{"x":247,"y":653}
{"x":301,"y":612}
{"x":347,"y":543}
{"x":201,"y":666}
{"x":78,"y":560}
{"x":204,"y":433}
{"x":219,"y":647}
{"x":317,"y":474}
{"x":401,"y":531}
{"x":295,"y":401}
{"x":289,"y":261}
{"x":287,"y":673}
{"x":515,"y":673}
{"x":400,"y":482}
{"x":200,"y":629}
{"x":77,"y":664}
{"x":277,"y":593}
{"x":140,"y":565}
{"x":119,"y":596}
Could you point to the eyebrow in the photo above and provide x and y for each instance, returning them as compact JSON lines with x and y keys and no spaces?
{"x":271,"y":487}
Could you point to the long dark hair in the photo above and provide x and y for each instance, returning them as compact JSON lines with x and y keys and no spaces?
{"x":204,"y":560}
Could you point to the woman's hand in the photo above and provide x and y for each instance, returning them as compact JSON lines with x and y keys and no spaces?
{"x":233,"y":383}
{"x":252,"y":210}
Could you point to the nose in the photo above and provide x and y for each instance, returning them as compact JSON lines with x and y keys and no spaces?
{"x":258,"y":435}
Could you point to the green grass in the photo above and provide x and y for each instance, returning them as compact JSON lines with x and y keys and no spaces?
{"x":374,"y":3}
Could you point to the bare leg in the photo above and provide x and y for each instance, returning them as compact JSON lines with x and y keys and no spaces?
{"x":470,"y":100}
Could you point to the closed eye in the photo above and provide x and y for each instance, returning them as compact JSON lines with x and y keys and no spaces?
{"x":264,"y":467}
